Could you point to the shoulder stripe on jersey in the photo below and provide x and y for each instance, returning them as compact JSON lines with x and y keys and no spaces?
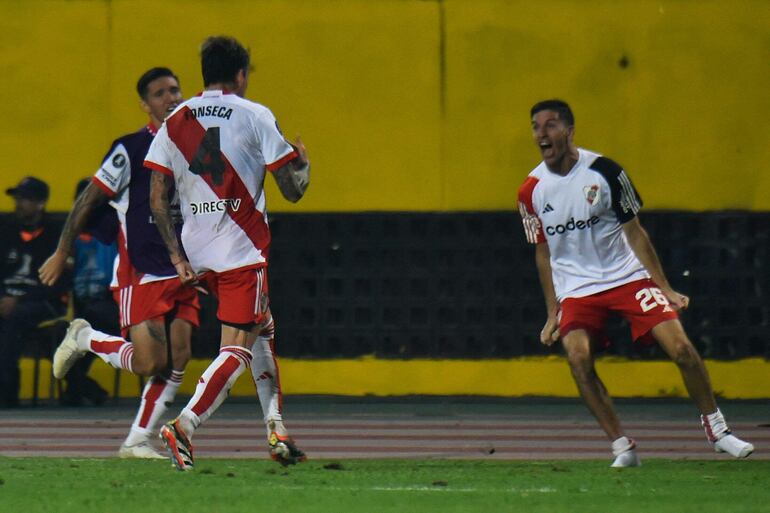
{"x":157,"y":167}
{"x":629,"y":198}
{"x":531,"y":224}
{"x":186,"y":133}
{"x":533,"y":229}
{"x":281,"y":161}
{"x":109,"y":192}
{"x":626,"y":202}
{"x":606,"y":166}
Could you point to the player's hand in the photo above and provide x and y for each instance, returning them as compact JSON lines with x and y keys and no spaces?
{"x":299,"y":146}
{"x":185,"y":272}
{"x":550,"y":332}
{"x":678,"y":301}
{"x":52,"y":268}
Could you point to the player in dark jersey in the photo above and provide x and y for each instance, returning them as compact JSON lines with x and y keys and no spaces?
{"x":145,"y":285}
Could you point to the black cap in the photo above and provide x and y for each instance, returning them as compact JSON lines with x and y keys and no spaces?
{"x":30,"y":188}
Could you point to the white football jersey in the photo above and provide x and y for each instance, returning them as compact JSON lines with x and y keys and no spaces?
{"x":580,"y":216}
{"x":217,"y":147}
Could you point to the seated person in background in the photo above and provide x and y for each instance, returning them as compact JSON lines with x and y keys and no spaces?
{"x":95,"y":252}
{"x":25,"y":242}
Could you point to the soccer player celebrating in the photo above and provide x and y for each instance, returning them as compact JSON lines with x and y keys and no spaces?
{"x":594,"y":258}
{"x":216,"y":148}
{"x":145,"y":284}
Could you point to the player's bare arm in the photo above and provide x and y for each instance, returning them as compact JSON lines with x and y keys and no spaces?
{"x":91,"y":197}
{"x":642,"y":247}
{"x":550,"y":332}
{"x":293,"y":177}
{"x":159,"y":186}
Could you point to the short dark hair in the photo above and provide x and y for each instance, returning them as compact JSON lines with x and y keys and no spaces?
{"x":222,"y":57}
{"x":149,"y":76}
{"x":558,"y":106}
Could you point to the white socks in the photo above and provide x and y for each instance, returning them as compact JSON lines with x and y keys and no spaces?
{"x":158,"y":394}
{"x":116,"y":351}
{"x":213,"y":386}
{"x":715,"y":425}
{"x":622,"y":445}
{"x":264,"y":371}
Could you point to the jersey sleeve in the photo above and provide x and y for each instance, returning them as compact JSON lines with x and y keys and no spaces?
{"x":159,"y":155}
{"x":533,"y":229}
{"x":115,"y":172}
{"x":625,"y":201}
{"x":275,"y":149}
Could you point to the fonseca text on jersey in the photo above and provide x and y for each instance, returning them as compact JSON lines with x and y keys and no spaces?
{"x":571,"y":225}
{"x":210,"y":207}
{"x":209,"y":110}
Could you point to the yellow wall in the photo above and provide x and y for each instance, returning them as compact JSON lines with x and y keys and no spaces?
{"x":516,"y":377}
{"x":389,"y":124}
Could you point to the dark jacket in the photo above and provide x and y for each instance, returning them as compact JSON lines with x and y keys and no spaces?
{"x":22,"y":252}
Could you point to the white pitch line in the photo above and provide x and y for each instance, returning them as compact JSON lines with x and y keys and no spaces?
{"x":421,"y":488}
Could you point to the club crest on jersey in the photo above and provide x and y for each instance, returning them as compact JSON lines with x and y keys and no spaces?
{"x":592,"y":194}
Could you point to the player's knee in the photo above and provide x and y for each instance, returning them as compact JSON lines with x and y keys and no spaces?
{"x":148,"y":367}
{"x":683,"y":352}
{"x":580,"y":361}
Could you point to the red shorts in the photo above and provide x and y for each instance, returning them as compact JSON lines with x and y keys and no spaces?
{"x":640,"y":302}
{"x":242,"y":294}
{"x":139,"y":303}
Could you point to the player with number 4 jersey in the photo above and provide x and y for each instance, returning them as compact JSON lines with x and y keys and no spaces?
{"x":218,"y":146}
{"x":594,"y":260}
{"x":216,"y":149}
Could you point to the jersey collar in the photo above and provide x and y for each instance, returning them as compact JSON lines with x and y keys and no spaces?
{"x":214,"y":92}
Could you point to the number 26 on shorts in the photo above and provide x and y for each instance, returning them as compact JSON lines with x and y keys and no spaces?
{"x":650,"y":298}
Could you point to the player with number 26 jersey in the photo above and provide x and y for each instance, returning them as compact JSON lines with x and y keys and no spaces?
{"x":595,"y":260}
{"x":217,"y":146}
{"x":580,"y":216}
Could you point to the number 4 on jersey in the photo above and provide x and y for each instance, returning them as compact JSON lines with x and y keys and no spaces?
{"x":208,"y":159}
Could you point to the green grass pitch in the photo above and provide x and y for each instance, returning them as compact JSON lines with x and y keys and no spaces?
{"x":64,"y":485}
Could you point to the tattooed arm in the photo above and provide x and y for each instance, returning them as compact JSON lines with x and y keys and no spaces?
{"x":159,"y":186}
{"x":294,"y":176}
{"x":91,"y":197}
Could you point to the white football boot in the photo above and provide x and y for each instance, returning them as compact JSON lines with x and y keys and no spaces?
{"x":142,"y":450}
{"x":624,"y":450}
{"x":69,"y":351}
{"x":733,"y":446}
{"x":721,"y":437}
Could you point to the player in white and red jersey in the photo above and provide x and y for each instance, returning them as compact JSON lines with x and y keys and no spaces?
{"x":594,"y":259}
{"x":216,"y":148}
{"x":145,"y":283}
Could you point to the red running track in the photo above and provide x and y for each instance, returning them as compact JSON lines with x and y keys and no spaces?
{"x":379,"y":437}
